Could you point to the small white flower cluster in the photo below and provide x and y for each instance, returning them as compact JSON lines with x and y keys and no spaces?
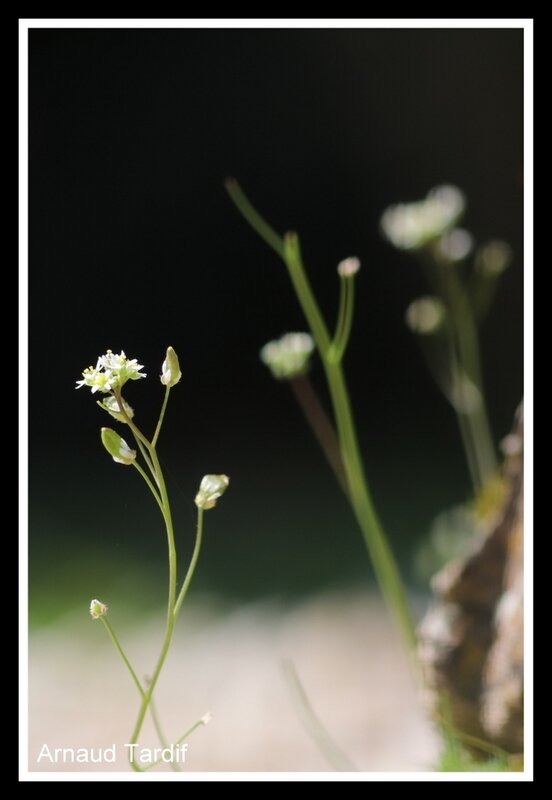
{"x":289,"y":356}
{"x":410,"y":226}
{"x":111,"y":372}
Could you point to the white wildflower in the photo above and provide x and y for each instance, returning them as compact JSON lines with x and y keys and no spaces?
{"x":410,"y":226}
{"x":289,"y":356}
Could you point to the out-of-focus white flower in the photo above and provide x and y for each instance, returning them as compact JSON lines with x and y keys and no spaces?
{"x":289,"y":356}
{"x":97,"y":609}
{"x":111,"y":372}
{"x":464,"y":394}
{"x":455,"y":245}
{"x":206,"y":718}
{"x":410,"y":226}
{"x":425,"y":315}
{"x":111,"y":405}
{"x":493,"y":258}
{"x":170,"y":371}
{"x":117,"y":448}
{"x":210,"y":489}
{"x":348,"y":267}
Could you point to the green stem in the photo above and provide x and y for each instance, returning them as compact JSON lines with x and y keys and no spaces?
{"x":344,"y":318}
{"x":466,"y":344}
{"x":189,"y":732}
{"x":316,"y":730}
{"x":321,"y":427}
{"x":161,"y":416}
{"x":258,"y":223}
{"x":118,"y":647}
{"x":193,"y":563}
{"x":151,"y":487}
{"x":171,"y":618}
{"x":153,"y":711}
{"x":383,"y":561}
{"x":161,"y":736}
{"x":385,"y":567}
{"x":146,"y":457}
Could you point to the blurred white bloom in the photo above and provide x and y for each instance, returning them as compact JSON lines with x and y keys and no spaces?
{"x":464,"y":394}
{"x":425,"y":315}
{"x":117,"y":448}
{"x":111,"y":405}
{"x":410,"y":226}
{"x":111,"y":372}
{"x":170,"y":371}
{"x":493,"y":258}
{"x":455,"y":245}
{"x":348,"y":267}
{"x":206,"y":718}
{"x":210,"y":489}
{"x":289,"y":356}
{"x":97,"y":609}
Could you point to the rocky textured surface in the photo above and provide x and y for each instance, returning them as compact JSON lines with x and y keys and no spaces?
{"x":471,"y":640}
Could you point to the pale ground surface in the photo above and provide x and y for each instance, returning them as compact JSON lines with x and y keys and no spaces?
{"x":344,"y":650}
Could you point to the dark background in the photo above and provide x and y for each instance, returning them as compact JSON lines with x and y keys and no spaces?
{"x":135,"y":245}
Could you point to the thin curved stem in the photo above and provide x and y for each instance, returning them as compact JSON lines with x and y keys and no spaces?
{"x":179,"y":741}
{"x":316,"y":730}
{"x":193,"y":563}
{"x":344,"y":318}
{"x":161,"y":416}
{"x":151,"y":487}
{"x":251,"y":214}
{"x":118,"y":647}
{"x":385,"y":567}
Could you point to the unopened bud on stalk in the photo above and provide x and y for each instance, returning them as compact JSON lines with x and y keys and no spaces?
{"x":210,"y":489}
{"x":111,"y":405}
{"x":97,"y":609}
{"x":170,"y":371}
{"x":117,"y":448}
{"x":348,"y":267}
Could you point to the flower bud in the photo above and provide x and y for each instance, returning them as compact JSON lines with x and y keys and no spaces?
{"x":348,"y":267}
{"x":170,"y":371}
{"x":97,"y":609}
{"x":117,"y":448}
{"x":211,"y":488}
{"x":111,"y":405}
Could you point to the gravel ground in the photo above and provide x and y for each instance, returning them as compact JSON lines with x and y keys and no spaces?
{"x":230,"y":664}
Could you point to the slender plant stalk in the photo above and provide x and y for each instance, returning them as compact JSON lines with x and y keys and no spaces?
{"x":173,"y":607}
{"x":384,"y":564}
{"x":328,"y":748}
{"x":321,"y":426}
{"x":118,"y":647}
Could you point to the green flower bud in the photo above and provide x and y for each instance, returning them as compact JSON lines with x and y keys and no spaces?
{"x":211,"y":488}
{"x":111,"y":405}
{"x":97,"y":609}
{"x":117,"y":448}
{"x":170,"y":371}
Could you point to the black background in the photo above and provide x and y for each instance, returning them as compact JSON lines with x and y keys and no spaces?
{"x":135,"y":245}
